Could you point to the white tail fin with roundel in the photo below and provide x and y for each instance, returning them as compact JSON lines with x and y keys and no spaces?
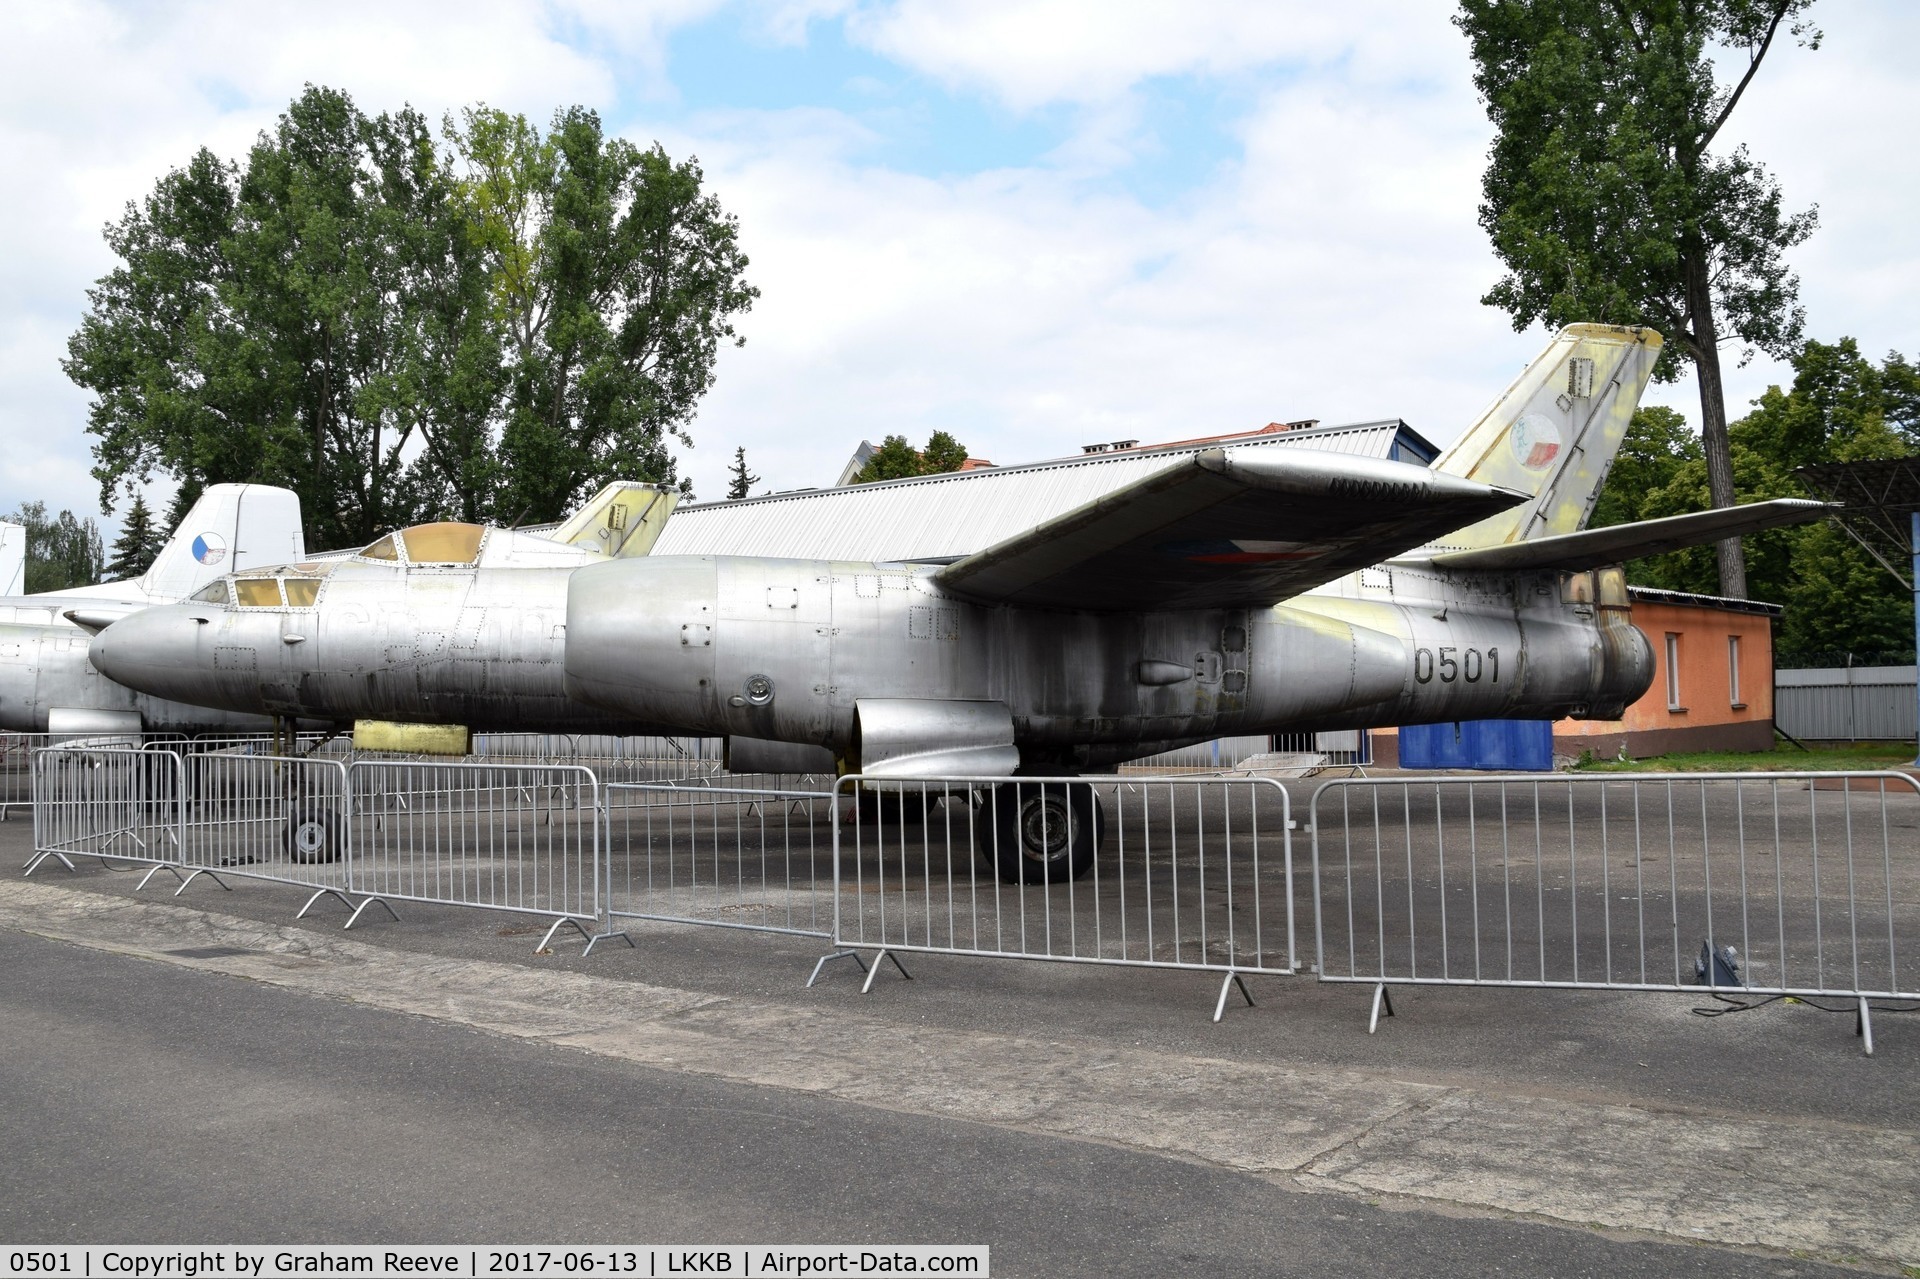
{"x":232,"y":526}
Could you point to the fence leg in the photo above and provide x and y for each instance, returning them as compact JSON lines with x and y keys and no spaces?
{"x":334,"y":893}
{"x":854,"y":955}
{"x":1863,"y":1026}
{"x":197,"y":873}
{"x":355,"y":917}
{"x":600,"y":937}
{"x":1232,"y":979}
{"x":34,"y":863}
{"x":1382,"y":1001}
{"x":560,"y":923}
{"x":875,"y":970}
{"x":158,"y":867}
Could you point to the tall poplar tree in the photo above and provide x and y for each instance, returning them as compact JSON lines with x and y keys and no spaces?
{"x":1605,"y":198}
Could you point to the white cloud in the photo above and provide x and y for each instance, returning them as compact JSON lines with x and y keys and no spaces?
{"x":1029,"y":53}
{"x":1330,"y":267}
{"x":97,"y":101}
{"x":1334,"y":273}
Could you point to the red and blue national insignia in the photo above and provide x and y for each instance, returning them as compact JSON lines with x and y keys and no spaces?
{"x":1241,"y":550}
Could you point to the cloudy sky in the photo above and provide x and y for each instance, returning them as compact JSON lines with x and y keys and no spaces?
{"x":1032,"y":223}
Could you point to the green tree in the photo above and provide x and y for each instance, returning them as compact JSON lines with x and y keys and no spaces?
{"x":895,"y":459}
{"x":485,"y":326}
{"x":942,"y":454}
{"x":263,"y":324}
{"x":743,"y":479}
{"x":1841,"y":407}
{"x":139,"y":542}
{"x":615,"y":279}
{"x":1657,"y":446}
{"x":62,"y":551}
{"x":1604,"y":199}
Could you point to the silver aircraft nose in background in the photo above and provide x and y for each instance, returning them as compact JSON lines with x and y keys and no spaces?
{"x":159,"y":651}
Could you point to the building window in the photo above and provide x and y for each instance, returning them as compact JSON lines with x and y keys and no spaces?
{"x":1673,"y":672}
{"x":1733,"y":671}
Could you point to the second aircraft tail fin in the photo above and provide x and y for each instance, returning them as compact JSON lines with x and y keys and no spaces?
{"x":232,"y":526}
{"x":623,"y":519}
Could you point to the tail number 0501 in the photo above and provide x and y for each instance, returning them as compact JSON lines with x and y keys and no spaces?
{"x":1451,"y":663}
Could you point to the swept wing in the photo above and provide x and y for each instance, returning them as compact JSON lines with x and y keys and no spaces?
{"x":1231,"y":528}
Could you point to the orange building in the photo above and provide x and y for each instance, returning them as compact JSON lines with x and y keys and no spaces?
{"x":1712,"y":681}
{"x":1712,"y":684}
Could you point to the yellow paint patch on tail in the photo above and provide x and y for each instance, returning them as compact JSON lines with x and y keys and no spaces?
{"x":1554,"y":433}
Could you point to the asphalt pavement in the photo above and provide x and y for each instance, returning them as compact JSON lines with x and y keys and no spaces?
{"x":206,"y":1070}
{"x":145,"y":1102}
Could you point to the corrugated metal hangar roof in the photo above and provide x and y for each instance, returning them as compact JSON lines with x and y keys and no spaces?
{"x":945,"y":516}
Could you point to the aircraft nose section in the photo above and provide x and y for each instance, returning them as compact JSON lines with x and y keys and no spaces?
{"x":154,"y":651}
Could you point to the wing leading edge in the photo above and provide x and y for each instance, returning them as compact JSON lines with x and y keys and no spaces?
{"x":1233,"y":528}
{"x":1600,"y":546}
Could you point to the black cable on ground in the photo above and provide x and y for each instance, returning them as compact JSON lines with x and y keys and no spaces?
{"x":1739,"y":1006}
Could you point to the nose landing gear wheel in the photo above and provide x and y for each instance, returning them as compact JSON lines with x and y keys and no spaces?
{"x":1042,"y":832}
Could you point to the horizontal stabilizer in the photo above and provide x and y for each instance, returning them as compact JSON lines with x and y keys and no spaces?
{"x":1230,"y":528}
{"x":1598,"y":546}
{"x":99,"y":617}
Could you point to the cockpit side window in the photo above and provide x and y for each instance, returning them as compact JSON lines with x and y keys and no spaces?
{"x":257,"y":592}
{"x":301,"y":591}
{"x":215,"y":593}
{"x":384,"y":549}
{"x":445,"y":543}
{"x":1613,"y":588}
{"x":1576,"y":588}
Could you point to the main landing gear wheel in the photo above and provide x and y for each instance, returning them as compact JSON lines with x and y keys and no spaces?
{"x":1042,"y":832}
{"x":313,"y":835}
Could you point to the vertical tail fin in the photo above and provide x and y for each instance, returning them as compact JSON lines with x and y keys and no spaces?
{"x":622,"y":520}
{"x":232,"y":526}
{"x":1554,"y":433}
{"x":13,"y":559}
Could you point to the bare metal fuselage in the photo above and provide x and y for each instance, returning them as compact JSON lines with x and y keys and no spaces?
{"x":44,"y":673}
{"x":783,"y":650}
{"x":427,"y":644}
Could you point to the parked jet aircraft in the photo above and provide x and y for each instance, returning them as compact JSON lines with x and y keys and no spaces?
{"x":1232,"y":590}
{"x":444,"y":623}
{"x":1240,"y":592}
{"x":46,"y":682}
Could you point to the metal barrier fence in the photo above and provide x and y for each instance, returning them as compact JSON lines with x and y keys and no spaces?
{"x":751,"y":856}
{"x":1192,"y":873}
{"x":16,"y":768}
{"x":513,"y":837}
{"x":1733,"y":884}
{"x":114,"y":803}
{"x":1741,"y":883}
{"x":281,"y":818}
